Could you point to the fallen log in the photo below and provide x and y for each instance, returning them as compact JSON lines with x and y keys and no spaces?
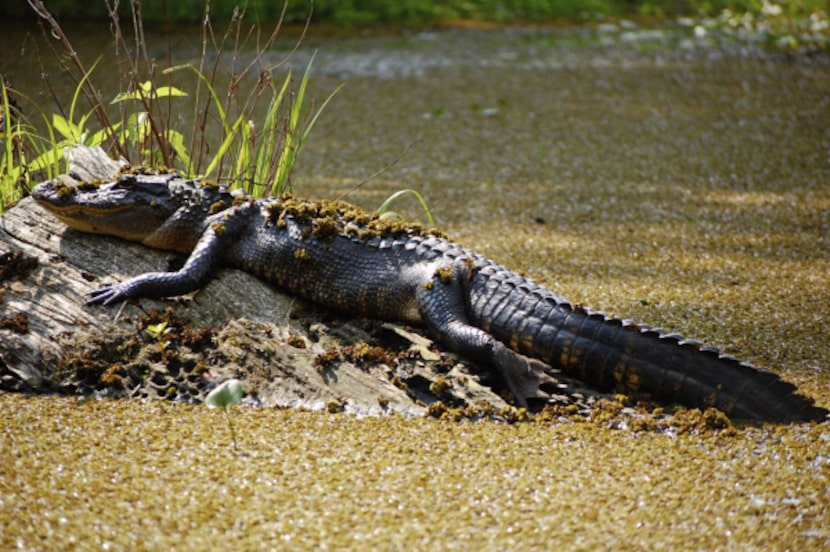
{"x":286,"y":352}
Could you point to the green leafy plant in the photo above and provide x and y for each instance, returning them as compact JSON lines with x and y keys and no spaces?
{"x":138,"y":130}
{"x":295,"y":136}
{"x":159,"y":332}
{"x":11,"y":137}
{"x":259,"y":159}
{"x":262,"y":161}
{"x":224,"y":396}
{"x":85,"y":84}
{"x":76,"y":132}
{"x":23,"y":152}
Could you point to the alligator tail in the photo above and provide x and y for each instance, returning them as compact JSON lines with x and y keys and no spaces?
{"x":611,"y":353}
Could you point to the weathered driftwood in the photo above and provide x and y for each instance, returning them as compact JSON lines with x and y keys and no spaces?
{"x":275,"y":344}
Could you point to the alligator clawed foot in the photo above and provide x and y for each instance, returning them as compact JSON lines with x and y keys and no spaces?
{"x":107,"y":295}
{"x":98,"y":296}
{"x":524,"y":376}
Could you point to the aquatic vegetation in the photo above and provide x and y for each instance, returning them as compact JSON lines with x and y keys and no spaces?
{"x":784,"y":25}
{"x":385,"y":208}
{"x":224,"y":396}
{"x":24,"y":153}
{"x":159,"y":332}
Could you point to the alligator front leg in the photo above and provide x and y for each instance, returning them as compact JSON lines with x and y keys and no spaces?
{"x":196,"y":272}
{"x":442,"y":309}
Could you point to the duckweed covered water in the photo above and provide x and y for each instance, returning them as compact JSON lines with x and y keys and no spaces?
{"x":682,"y":185}
{"x":155,"y":475}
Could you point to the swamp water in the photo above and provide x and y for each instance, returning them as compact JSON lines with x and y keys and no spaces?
{"x":684,"y":185}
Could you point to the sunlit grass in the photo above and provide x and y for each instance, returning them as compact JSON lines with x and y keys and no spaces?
{"x":24,"y":154}
{"x":262,"y":161}
{"x":259,"y":159}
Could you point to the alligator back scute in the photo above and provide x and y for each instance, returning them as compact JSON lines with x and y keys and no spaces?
{"x":673,"y":369}
{"x":596,"y":353}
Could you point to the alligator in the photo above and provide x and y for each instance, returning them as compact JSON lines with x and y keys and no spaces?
{"x":335,"y":254}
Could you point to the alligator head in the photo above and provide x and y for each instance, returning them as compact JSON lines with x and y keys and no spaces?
{"x":162,"y":211}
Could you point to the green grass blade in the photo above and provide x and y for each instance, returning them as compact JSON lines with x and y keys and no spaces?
{"x":243,"y":159}
{"x":214,"y":96}
{"x":223,"y":149}
{"x":267,"y":150}
{"x":79,"y":129}
{"x":8,"y":174}
{"x":294,"y":144}
{"x":320,"y":110}
{"x":384,"y":208}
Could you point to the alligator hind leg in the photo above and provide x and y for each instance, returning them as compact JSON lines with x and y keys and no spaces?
{"x":442,"y":309}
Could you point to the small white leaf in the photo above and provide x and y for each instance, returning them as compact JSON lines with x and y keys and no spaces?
{"x":227,"y":394}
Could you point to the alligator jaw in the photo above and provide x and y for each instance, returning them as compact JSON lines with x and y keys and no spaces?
{"x":96,"y":222}
{"x":114,"y":209}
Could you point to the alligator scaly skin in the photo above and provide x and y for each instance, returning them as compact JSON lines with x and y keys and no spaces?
{"x":336,"y":255}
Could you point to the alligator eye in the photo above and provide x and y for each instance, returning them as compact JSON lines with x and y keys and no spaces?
{"x":126,"y":182}
{"x":144,"y":186}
